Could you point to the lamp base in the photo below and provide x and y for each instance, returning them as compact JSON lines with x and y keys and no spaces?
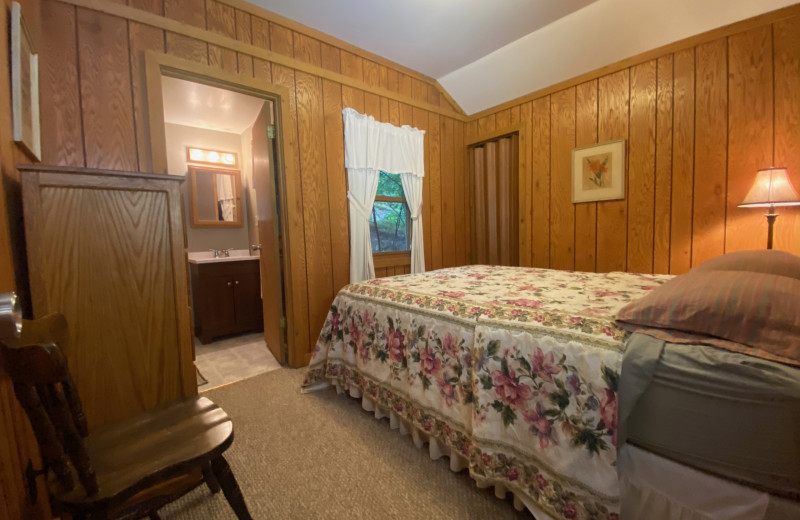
{"x":771,"y":216}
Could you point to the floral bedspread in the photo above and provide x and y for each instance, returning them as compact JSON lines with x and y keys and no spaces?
{"x":515,"y":368}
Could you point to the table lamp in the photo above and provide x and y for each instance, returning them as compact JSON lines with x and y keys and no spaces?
{"x":772,"y":188}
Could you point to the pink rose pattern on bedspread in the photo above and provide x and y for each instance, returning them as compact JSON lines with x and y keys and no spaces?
{"x":514,"y":368}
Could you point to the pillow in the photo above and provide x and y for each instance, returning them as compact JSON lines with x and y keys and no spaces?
{"x":752,"y":313}
{"x":762,"y":261}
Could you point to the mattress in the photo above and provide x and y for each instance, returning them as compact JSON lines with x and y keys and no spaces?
{"x":513,"y":371}
{"x":722,"y":412}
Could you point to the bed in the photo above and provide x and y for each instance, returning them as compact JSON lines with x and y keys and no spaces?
{"x":511,"y":372}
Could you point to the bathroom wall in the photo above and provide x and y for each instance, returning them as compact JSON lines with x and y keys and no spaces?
{"x":178,"y":138}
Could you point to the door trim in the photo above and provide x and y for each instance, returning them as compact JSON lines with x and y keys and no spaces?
{"x":158,"y":65}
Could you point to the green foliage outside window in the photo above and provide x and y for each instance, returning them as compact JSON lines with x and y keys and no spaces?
{"x":389,"y":229}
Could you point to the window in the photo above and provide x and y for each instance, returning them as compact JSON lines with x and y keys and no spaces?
{"x":389,"y":227}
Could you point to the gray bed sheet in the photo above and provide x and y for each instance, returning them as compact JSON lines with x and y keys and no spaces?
{"x":729,"y":414}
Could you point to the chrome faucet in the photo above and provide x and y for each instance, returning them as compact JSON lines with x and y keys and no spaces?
{"x":226,"y":252}
{"x":219,"y":253}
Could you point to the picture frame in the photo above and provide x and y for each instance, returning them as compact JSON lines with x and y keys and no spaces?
{"x":24,"y":87}
{"x":598,"y":172}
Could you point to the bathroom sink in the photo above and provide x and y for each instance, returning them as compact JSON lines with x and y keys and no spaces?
{"x":207,"y":257}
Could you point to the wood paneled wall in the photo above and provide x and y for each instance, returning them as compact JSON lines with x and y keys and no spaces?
{"x":17,"y":444}
{"x":699,"y":121}
{"x":94,"y":114}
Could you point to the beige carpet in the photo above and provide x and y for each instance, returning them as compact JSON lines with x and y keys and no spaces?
{"x":320,"y":456}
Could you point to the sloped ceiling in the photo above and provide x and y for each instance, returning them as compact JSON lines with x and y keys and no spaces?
{"x":485,"y":53}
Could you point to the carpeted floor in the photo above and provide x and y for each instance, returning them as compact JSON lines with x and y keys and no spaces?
{"x":320,"y":456}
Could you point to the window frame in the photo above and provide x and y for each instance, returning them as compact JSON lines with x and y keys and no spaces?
{"x":384,"y":198}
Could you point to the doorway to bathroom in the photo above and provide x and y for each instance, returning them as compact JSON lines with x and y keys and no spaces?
{"x":223,"y":137}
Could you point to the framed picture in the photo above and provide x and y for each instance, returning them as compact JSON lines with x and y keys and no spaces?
{"x":24,"y":87}
{"x":598,"y":172}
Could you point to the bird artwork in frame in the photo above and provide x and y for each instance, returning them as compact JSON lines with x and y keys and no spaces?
{"x":598,"y":172}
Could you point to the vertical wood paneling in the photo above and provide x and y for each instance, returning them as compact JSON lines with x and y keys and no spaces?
{"x":337,"y":184}
{"x":786,"y":42}
{"x":58,"y":83}
{"x":540,"y":177}
{"x":191,"y":12}
{"x":142,"y":38}
{"x":503,"y":119}
{"x":316,"y":214}
{"x":371,"y":73}
{"x":307,"y":49}
{"x":486,"y":124}
{"x":642,"y":162}
{"x":523,"y":115}
{"x":281,"y":39}
{"x":586,"y":212}
{"x":562,"y":211}
{"x":404,"y":81}
{"x":448,"y":194}
{"x":221,"y":19}
{"x":106,"y":94}
{"x":663,"y":181}
{"x":262,"y":69}
{"x":460,"y":193}
{"x":352,"y":65}
{"x":372,"y":105}
{"x":612,"y":123}
{"x":750,"y":132}
{"x":710,"y":159}
{"x":434,"y":133}
{"x":244,"y":33}
{"x":680,"y":250}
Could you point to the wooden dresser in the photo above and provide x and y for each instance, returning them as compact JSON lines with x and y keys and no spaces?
{"x":107,"y":250}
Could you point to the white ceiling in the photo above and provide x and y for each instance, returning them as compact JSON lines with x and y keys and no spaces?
{"x":194,"y":104}
{"x":600,"y":34}
{"x":486,"y":52}
{"x":433,"y":37}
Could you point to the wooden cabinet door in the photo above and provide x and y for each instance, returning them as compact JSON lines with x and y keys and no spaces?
{"x":247,"y":300}
{"x":220,"y":313}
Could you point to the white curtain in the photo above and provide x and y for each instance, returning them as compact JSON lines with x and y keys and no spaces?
{"x":371,"y":147}
{"x":412,"y":186}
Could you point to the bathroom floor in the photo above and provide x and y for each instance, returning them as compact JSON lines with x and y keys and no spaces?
{"x":232,"y":359}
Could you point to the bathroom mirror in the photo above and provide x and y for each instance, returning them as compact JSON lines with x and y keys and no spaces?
{"x":216,"y":197}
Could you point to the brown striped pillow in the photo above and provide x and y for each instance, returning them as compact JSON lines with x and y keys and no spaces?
{"x":766,"y":261}
{"x":752,"y":313}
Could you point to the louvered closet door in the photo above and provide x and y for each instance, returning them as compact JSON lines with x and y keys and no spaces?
{"x":494,"y":172}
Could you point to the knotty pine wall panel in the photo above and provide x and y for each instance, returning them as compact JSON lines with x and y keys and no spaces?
{"x":95,"y":111}
{"x":698,"y":121}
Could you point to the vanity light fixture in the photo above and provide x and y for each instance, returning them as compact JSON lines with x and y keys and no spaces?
{"x":216,"y":157}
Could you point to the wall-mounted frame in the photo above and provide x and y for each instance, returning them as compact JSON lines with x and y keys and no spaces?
{"x":598,"y":172}
{"x":24,"y":87}
{"x":216,"y":197}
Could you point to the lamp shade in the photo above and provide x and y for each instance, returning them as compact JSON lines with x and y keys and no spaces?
{"x":771,"y":188}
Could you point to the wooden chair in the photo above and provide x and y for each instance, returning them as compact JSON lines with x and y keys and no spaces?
{"x":124,"y":470}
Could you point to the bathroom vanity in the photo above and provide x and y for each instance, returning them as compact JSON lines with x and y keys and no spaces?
{"x":226,"y":293}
